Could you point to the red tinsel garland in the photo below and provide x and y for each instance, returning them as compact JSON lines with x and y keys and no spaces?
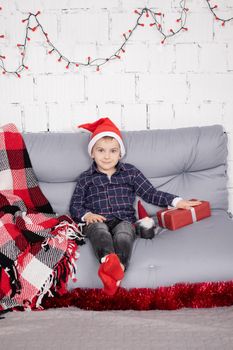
{"x":189,"y":295}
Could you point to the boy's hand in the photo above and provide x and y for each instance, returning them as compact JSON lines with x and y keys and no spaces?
{"x":90,"y":218}
{"x":183,"y":204}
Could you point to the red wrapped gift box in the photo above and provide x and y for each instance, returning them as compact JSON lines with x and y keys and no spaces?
{"x":176,"y":218}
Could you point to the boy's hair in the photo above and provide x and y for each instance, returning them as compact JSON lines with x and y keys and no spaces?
{"x":108,"y":138}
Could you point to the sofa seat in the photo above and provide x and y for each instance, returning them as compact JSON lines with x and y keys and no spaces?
{"x":196,"y":253}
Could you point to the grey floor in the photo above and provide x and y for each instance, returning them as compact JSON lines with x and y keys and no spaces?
{"x":72,"y":328}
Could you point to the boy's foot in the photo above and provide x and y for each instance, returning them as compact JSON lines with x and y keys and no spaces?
{"x":110,"y":284}
{"x":113,"y":267}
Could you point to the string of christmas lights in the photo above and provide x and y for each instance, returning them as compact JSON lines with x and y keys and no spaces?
{"x":213,"y":10}
{"x":157,"y":22}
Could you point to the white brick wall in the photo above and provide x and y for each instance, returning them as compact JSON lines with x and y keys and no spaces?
{"x":59,"y":88}
{"x":15,"y":90}
{"x":186,"y":57}
{"x":162,"y":87}
{"x":211,"y":87}
{"x":110,"y":87}
{"x":84,"y":27}
{"x":188,"y":81}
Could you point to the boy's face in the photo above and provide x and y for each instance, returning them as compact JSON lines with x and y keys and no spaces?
{"x":106,"y":153}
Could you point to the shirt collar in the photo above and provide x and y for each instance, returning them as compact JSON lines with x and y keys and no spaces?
{"x":93,"y":169}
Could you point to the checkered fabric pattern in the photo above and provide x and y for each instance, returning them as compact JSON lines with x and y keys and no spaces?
{"x":17,"y":175}
{"x":37,"y":248}
{"x":115,"y":197}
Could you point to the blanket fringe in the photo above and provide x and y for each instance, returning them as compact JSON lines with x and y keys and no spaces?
{"x":46,"y":289}
{"x":56,"y":283}
{"x":66,"y":269}
{"x":71,"y":230}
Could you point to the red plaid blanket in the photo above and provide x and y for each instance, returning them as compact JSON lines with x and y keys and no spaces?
{"x":37,"y":248}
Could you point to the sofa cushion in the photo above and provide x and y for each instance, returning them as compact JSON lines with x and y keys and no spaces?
{"x":190,"y":162}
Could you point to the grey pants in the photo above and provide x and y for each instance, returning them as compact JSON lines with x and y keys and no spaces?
{"x":114,"y":236}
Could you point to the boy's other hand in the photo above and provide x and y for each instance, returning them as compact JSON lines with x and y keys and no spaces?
{"x":91,"y":218}
{"x":184,"y":204}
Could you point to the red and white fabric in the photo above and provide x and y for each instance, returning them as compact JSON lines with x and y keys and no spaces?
{"x":37,"y":248}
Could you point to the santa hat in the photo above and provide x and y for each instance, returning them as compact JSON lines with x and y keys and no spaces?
{"x":141,"y":211}
{"x":100,"y":128}
{"x":143,"y":218}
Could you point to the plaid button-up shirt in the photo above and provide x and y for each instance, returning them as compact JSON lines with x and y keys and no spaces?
{"x":114,"y":197}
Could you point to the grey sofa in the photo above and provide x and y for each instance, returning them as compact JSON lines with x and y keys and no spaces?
{"x":190,"y":162}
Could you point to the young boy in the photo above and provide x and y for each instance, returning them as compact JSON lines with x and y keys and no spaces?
{"x":104,"y":197}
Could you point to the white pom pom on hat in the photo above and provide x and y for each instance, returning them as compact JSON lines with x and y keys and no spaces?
{"x":143,"y":218}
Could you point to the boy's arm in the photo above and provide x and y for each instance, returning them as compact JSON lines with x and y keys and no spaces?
{"x":144,"y":189}
{"x":77,"y":203}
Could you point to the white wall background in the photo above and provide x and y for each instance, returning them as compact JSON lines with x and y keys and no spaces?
{"x":188,"y":81}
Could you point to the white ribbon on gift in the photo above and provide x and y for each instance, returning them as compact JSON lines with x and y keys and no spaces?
{"x":194,"y":216}
{"x":193,"y":213}
{"x":163,"y":216}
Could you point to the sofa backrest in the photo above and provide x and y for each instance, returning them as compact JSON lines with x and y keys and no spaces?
{"x":189,"y":162}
